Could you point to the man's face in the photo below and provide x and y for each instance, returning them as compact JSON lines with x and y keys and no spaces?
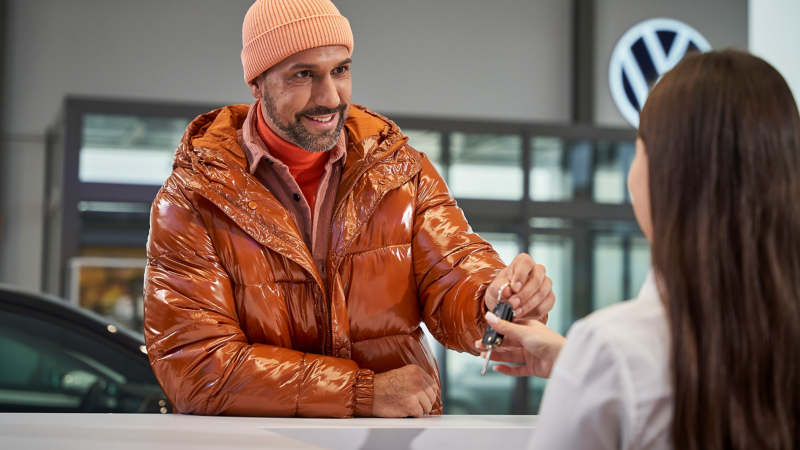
{"x":305,"y":99}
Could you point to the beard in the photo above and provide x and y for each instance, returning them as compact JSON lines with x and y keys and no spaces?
{"x":298,"y":135}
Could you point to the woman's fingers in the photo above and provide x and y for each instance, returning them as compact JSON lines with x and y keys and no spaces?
{"x":513,"y":332}
{"x":532,"y":335}
{"x":507,"y":357}
{"x":514,"y":371}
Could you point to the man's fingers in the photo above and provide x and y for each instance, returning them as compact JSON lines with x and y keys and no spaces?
{"x":431,"y":382}
{"x":521,"y":268}
{"x":430,"y":395}
{"x":534,"y":292}
{"x":417,"y":411}
{"x":500,"y":280}
{"x":426,"y":403}
{"x":431,"y":389}
{"x":544,"y":307}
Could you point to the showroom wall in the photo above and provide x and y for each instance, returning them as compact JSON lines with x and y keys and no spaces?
{"x":774,"y":35}
{"x":722,"y":22}
{"x":502,"y":60}
{"x":508,"y":59}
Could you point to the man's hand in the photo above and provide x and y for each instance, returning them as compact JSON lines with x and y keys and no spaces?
{"x":540,"y":347}
{"x":407,"y":391}
{"x":530,"y":292}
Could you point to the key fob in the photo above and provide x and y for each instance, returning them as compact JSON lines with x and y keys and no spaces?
{"x":492,"y":338}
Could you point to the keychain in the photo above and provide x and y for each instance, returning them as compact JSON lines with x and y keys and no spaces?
{"x":492,"y":338}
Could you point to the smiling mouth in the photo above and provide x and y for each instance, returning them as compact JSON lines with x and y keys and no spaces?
{"x":321,"y":119}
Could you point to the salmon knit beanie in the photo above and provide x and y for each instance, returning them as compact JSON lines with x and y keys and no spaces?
{"x":276,"y":29}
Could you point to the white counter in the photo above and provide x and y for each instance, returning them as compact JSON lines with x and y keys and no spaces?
{"x":172,"y":432}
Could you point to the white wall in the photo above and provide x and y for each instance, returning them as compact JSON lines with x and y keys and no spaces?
{"x":158,"y":49}
{"x":504,"y":59}
{"x":775,"y":36}
{"x":722,"y":22}
{"x":507,"y":59}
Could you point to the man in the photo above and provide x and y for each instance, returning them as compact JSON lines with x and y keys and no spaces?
{"x":300,"y":242}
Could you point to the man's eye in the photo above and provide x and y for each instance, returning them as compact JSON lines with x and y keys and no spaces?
{"x":340,"y":70}
{"x":304,"y":74}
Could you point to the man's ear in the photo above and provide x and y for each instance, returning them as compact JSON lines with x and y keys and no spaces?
{"x":256,"y":86}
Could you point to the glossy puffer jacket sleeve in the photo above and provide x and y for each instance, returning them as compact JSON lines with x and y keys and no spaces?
{"x":197,"y":348}
{"x":453,"y":266}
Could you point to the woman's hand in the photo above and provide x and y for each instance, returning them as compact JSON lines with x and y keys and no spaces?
{"x":539,"y":347}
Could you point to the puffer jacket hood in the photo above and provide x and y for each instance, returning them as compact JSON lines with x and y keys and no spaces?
{"x":237,"y":320}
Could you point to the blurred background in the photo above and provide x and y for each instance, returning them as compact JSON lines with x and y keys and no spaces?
{"x":511,"y":99}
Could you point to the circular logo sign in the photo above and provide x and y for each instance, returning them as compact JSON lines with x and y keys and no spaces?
{"x":645,"y":53}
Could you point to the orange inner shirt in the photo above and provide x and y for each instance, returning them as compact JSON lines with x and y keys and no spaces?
{"x":305,"y":167}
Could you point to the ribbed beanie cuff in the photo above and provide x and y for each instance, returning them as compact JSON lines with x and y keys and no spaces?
{"x":276,"y":29}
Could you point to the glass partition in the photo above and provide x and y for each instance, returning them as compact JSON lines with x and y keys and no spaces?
{"x":468,"y":391}
{"x":486,"y":166}
{"x":430,"y":143}
{"x":555,"y":253}
{"x":611,"y":171}
{"x":556,"y":191}
{"x":128,"y":149}
{"x":551,"y":177}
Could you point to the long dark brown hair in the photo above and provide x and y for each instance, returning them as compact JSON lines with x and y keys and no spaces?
{"x":722,"y":134}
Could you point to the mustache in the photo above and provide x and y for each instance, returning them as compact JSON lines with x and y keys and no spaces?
{"x":320,"y":111}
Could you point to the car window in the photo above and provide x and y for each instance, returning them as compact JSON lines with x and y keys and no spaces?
{"x":53,"y":367}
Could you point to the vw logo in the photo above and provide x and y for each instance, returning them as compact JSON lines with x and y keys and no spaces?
{"x":645,"y":53}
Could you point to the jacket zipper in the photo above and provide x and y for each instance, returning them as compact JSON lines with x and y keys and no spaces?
{"x":329,"y":300}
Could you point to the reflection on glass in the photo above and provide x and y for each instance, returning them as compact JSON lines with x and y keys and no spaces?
{"x":621,"y":263}
{"x":55,"y":368}
{"x":608,"y":265}
{"x":505,"y":244}
{"x":554,"y":252}
{"x":640,"y":263}
{"x":551,"y":179}
{"x":549,"y":222}
{"x":111,"y":287}
{"x":611,"y":171}
{"x":487,"y":166}
{"x":468,"y":392}
{"x":430,"y":143}
{"x":128,"y":149}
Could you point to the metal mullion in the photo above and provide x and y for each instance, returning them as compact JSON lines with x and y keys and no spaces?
{"x":567,"y":132}
{"x":521,"y":395}
{"x":446,"y":160}
{"x":626,"y":265}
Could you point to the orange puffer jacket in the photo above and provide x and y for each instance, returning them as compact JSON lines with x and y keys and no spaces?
{"x":237,"y":320}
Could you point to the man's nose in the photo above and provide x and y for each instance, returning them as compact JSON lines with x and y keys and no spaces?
{"x":326,"y":93}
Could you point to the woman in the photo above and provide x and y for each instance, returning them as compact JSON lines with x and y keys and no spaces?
{"x":708,"y":355}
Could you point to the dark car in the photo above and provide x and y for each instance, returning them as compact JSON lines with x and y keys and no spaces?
{"x":55,"y":357}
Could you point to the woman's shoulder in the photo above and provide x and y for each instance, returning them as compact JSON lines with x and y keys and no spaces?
{"x":632,"y":339}
{"x":623,"y":351}
{"x":640,"y":322}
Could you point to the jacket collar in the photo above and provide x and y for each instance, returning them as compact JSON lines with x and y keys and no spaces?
{"x":376,"y":161}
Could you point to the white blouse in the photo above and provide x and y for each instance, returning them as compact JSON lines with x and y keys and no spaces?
{"x":611,"y":386}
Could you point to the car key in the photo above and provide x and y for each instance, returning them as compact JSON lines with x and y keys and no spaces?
{"x":492,"y":338}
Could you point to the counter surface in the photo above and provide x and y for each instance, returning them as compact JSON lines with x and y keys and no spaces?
{"x":172,"y":432}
